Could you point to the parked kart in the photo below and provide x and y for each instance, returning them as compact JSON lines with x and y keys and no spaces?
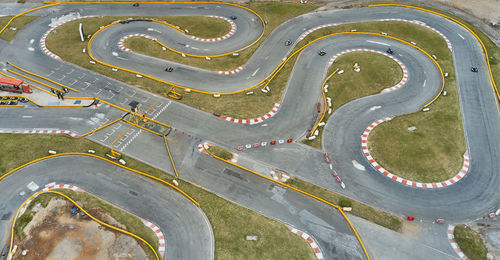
{"x":473,"y":69}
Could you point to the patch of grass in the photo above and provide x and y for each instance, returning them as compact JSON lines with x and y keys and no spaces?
{"x":220,"y":152}
{"x":358,"y":209}
{"x":470,"y":243}
{"x":274,"y":13}
{"x":18,"y":23}
{"x":351,"y":85}
{"x":230,"y":222}
{"x":201,"y":26}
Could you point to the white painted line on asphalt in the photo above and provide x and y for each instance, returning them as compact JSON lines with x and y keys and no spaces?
{"x":381,"y":43}
{"x":51,"y":72}
{"x":194,"y":48}
{"x":375,"y":108}
{"x":255,"y":72}
{"x":32,"y":186}
{"x":358,"y":166}
{"x":27,"y":116}
{"x":31,"y":49}
{"x":70,"y":71}
{"x":32,"y":41}
{"x":115,"y":54}
{"x":461,"y":36}
{"x":121,"y":58}
{"x":424,"y":83}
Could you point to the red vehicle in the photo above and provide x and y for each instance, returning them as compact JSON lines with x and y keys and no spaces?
{"x":14,"y":85}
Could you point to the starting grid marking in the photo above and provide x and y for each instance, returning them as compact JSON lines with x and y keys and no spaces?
{"x":366,"y":153}
{"x":157,"y":231}
{"x":403,"y":67}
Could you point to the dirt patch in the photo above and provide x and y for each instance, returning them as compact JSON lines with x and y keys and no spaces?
{"x":54,"y":233}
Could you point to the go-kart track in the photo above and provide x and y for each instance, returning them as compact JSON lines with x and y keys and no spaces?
{"x":187,"y":231}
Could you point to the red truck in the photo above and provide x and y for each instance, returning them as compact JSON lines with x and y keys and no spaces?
{"x":14,"y":85}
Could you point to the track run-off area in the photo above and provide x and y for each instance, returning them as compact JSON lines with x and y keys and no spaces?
{"x":247,"y":181}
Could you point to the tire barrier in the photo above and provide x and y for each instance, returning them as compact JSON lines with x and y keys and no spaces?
{"x":229,"y":34}
{"x":264,"y":144}
{"x":403,"y":67}
{"x":44,"y":37}
{"x":39,"y":131}
{"x":231,"y":72}
{"x":334,"y":173}
{"x":257,"y":120}
{"x":310,"y":240}
{"x":453,"y":243}
{"x":366,"y":153}
{"x":123,"y":48}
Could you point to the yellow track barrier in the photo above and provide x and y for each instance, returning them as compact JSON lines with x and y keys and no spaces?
{"x":44,"y":78}
{"x":23,"y":13}
{"x":324,"y":102}
{"x":458,"y":22}
{"x":102,"y":127}
{"x":106,"y":160}
{"x":302,"y":192}
{"x":84,"y":211}
{"x":202,"y":2}
{"x":39,"y":88}
{"x":170,"y":156}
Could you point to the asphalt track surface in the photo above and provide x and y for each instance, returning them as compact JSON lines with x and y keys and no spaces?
{"x":472,"y":197}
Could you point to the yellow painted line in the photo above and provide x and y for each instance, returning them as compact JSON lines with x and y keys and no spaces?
{"x":23,"y":13}
{"x":106,"y":160}
{"x":84,"y":211}
{"x":44,"y":78}
{"x":11,"y":105}
{"x":324,"y":101}
{"x":170,"y":156}
{"x":460,"y":23}
{"x":102,"y":127}
{"x":302,"y":192}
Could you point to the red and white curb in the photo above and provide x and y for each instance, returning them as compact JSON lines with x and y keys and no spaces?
{"x":403,"y":67}
{"x":264,"y":144}
{"x":240,"y":68}
{"x":159,"y":235}
{"x":432,"y":185}
{"x":201,"y":147}
{"x":453,"y":243}
{"x":123,"y":48}
{"x":253,"y":121}
{"x":310,"y":240}
{"x":44,"y":36}
{"x":153,"y":227}
{"x":448,"y":43}
{"x":38,"y":131}
{"x":303,"y":35}
{"x":229,"y":34}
